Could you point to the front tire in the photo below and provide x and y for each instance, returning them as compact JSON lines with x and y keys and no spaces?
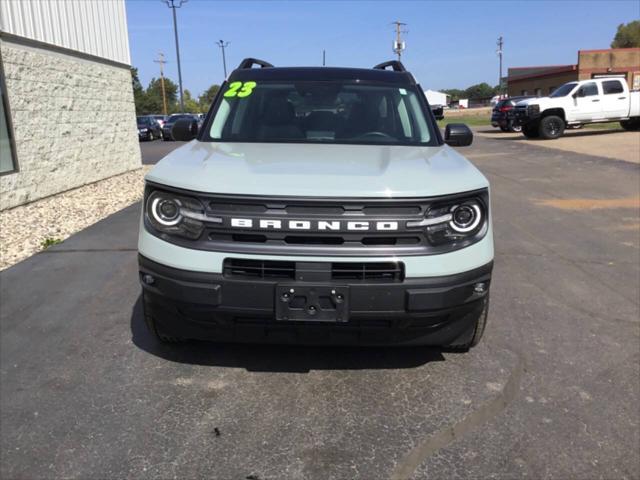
{"x":631,"y":125}
{"x":531,"y":131}
{"x":551,"y":127}
{"x":478,"y":330}
{"x":504,"y":129}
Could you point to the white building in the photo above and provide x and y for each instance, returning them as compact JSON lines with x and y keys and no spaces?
{"x":67,"y":112}
{"x":436,"y":98}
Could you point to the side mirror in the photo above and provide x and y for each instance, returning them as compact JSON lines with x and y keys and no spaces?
{"x":458,"y":135}
{"x":578,"y":93}
{"x":185,"y":129}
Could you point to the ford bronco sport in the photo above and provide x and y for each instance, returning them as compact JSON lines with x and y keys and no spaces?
{"x":317,"y":205}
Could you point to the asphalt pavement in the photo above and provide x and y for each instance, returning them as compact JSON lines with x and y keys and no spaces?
{"x":551,"y":392}
{"x":155,"y":150}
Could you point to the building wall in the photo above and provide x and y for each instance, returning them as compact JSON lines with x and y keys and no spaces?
{"x":545,"y":83}
{"x":600,"y":62}
{"x":73,"y":121}
{"x":94,"y":27}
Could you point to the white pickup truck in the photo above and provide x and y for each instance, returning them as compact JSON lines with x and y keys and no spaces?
{"x":578,"y":103}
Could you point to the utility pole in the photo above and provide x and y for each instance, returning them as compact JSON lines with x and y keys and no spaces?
{"x":323,"y":58}
{"x":173,"y":4}
{"x":398,"y":45}
{"x":500,"y":43}
{"x":162,"y":61}
{"x":222,"y":44}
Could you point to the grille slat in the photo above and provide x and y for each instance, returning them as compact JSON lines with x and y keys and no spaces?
{"x":368,"y":271}
{"x":233,"y":267}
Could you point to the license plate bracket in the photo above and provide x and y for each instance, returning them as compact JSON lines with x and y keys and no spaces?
{"x":312,"y":303}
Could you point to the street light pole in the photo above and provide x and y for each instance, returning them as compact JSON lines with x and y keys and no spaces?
{"x":500,"y":44}
{"x":222,"y":44}
{"x":173,"y":4}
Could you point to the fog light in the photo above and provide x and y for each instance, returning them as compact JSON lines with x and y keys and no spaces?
{"x":148,"y":279}
{"x":480,"y":287}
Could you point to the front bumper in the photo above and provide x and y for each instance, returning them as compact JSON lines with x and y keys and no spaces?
{"x":524,"y":116}
{"x":422,"y":311}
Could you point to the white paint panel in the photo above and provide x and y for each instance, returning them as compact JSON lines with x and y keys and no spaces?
{"x":95,"y":27}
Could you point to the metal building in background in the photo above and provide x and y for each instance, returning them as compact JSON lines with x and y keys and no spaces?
{"x":68,"y":114}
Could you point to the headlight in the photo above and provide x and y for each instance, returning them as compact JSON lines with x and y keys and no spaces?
{"x":457,"y":223}
{"x":176,"y":214}
{"x":143,"y":130}
{"x":533,"y":109}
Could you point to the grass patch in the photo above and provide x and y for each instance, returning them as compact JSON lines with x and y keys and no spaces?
{"x":49,"y":242}
{"x":471,"y":120}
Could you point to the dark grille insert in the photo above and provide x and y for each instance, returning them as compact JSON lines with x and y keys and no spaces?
{"x":387,"y":271}
{"x":234,"y":267}
{"x":313,"y":240}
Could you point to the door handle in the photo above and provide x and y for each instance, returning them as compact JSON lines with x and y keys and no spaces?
{"x":597,"y":100}
{"x":622,"y":98}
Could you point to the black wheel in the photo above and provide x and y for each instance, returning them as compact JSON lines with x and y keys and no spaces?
{"x":478,"y":331}
{"x":152,"y":325}
{"x":515,"y":128}
{"x":632,"y":125}
{"x":531,"y":131}
{"x":150,"y":136}
{"x":551,"y":127}
{"x":504,"y":129}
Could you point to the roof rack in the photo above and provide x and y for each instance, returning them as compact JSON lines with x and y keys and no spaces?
{"x":396,"y":66}
{"x":250,"y":62}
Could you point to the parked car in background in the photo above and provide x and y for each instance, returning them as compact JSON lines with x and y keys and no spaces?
{"x":166,"y":128}
{"x":597,"y":100}
{"x":502,"y":114}
{"x":161,"y":119}
{"x":148,"y":128}
{"x":438,"y":111}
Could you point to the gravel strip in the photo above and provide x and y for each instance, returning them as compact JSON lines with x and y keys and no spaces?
{"x":23,"y":229}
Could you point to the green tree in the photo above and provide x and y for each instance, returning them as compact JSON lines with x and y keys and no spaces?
{"x":190,"y":103}
{"x":206,"y":99}
{"x":139,"y":96}
{"x":627,"y":36}
{"x":153,"y":103}
{"x":481,"y":90}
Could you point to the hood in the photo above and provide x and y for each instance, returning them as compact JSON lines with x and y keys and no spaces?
{"x":317,"y":170}
{"x":535,"y":101}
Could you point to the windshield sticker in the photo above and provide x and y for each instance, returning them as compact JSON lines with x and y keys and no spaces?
{"x":239,"y":89}
{"x":402,"y":91}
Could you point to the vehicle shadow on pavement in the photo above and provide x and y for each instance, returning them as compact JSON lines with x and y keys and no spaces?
{"x":498,"y":135}
{"x":279,"y":358}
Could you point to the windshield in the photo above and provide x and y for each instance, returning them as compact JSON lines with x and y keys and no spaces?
{"x":563,"y":90}
{"x":320,"y":112}
{"x":142,"y":120}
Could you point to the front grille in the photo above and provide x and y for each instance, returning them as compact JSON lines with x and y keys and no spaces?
{"x":339,"y":271}
{"x":368,"y":271}
{"x":266,"y":269}
{"x":314,"y":241}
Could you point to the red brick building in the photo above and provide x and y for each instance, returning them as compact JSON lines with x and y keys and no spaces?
{"x":542,"y":80}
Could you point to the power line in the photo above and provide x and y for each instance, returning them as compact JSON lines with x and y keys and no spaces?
{"x":173,"y":4}
{"x":399,"y":45}
{"x":222,"y":44}
{"x":162,"y":61}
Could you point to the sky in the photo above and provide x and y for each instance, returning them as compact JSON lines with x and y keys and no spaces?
{"x":449,"y":44}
